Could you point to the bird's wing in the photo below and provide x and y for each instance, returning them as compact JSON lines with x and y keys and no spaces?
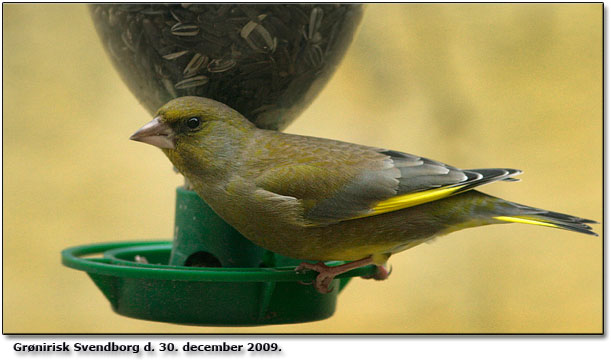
{"x":336,"y":181}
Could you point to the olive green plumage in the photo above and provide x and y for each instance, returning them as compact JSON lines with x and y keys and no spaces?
{"x":321,"y":199}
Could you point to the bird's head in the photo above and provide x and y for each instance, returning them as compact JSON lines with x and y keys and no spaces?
{"x":194,"y":131}
{"x":188,"y":120}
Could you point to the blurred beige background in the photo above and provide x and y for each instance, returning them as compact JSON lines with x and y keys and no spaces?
{"x":505,"y":85}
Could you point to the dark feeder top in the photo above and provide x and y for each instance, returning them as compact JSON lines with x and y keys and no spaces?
{"x":267,"y":61}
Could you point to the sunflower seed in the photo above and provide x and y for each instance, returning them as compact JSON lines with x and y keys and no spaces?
{"x":315,"y":21}
{"x":268,"y":44}
{"x":180,"y":29}
{"x":191,"y":82}
{"x":175,"y":16}
{"x":251,"y":25}
{"x":153,"y":11}
{"x":175,"y":55}
{"x":223,"y":9}
{"x":197,"y":61}
{"x":167,"y":84}
{"x":220,"y":65}
{"x":127,"y":40}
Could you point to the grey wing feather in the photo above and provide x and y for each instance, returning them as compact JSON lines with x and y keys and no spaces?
{"x":403,"y":174}
{"x":357,"y":197}
{"x":419,"y":174}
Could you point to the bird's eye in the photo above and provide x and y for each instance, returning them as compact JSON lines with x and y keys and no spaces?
{"x":193,"y":123}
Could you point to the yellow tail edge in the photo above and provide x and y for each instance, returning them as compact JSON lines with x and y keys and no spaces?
{"x":526,"y":220}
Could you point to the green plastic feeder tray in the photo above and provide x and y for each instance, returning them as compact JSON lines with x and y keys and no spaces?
{"x":209,"y":275}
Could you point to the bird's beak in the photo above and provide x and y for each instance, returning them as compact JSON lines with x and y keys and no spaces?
{"x":155,"y":133}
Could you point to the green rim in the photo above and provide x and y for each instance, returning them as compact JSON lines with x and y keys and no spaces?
{"x":79,"y":257}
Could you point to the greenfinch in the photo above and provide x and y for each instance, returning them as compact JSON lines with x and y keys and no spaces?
{"x":319,"y":199}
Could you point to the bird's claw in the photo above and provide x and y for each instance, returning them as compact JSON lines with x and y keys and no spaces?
{"x":323,"y":282}
{"x":382,"y":273}
{"x":326,"y":274}
{"x":323,"y":279}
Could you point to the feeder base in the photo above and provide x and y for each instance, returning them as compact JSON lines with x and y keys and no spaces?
{"x":202,"y":296}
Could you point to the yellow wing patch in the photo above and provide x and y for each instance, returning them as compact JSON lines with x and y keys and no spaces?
{"x":408,"y":200}
{"x":525,"y":220}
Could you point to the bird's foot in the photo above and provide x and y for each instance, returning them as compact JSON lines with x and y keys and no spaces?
{"x":326,"y":274}
{"x":382,"y":273}
{"x":324,"y":278}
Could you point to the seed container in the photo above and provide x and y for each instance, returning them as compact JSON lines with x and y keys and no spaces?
{"x":267,"y":61}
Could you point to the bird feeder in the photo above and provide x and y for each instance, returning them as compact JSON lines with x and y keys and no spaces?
{"x":268,"y":61}
{"x":208,"y":275}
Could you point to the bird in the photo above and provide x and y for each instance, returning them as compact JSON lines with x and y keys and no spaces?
{"x":319,"y":199}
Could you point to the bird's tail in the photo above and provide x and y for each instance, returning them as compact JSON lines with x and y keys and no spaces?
{"x":553,"y":219}
{"x":517,"y":213}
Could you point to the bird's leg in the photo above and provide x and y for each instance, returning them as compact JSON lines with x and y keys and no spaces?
{"x":326,"y":274}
